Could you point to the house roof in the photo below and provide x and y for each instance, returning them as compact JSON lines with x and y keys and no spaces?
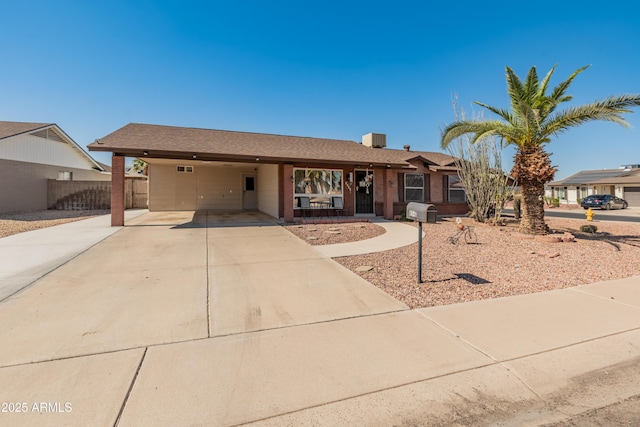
{"x":207,"y":144}
{"x":8,"y":129}
{"x":590,"y":177}
{"x":44,"y":130}
{"x":104,"y":166}
{"x":629,"y":180}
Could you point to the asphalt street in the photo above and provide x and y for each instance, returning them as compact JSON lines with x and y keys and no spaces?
{"x":631,"y":214}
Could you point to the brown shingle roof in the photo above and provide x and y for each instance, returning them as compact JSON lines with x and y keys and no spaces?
{"x":104,"y":166}
{"x":180,"y":142}
{"x":8,"y":129}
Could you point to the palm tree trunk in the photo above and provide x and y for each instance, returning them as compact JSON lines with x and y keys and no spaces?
{"x":532,"y":220}
{"x":532,"y":168}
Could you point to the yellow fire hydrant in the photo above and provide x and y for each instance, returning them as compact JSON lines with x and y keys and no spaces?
{"x":589,"y":213}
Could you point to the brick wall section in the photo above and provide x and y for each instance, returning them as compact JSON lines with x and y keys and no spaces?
{"x":438,"y":189}
{"x":348,"y":199}
{"x":117,"y":191}
{"x":389,"y":186}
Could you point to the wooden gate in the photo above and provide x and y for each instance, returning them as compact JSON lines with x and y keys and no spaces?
{"x":136,"y":193}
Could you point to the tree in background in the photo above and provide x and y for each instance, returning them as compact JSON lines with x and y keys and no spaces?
{"x":140,"y":166}
{"x":480,"y":171}
{"x":530,"y":123}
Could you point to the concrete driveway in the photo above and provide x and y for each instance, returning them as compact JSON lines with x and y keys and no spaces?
{"x":171,"y":277}
{"x":183,"y":319}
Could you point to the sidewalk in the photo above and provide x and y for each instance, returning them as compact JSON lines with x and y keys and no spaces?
{"x":250,"y":325}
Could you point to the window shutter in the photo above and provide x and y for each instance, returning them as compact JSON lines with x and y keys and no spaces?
{"x":445,"y":188}
{"x":427,"y":188}
{"x":400,"y":187}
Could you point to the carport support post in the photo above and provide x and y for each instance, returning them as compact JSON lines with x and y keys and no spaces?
{"x":287,"y":196}
{"x":419,"y":252}
{"x":117,"y":190}
{"x":388,"y":194}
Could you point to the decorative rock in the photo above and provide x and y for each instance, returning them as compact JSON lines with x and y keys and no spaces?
{"x":333,"y":229}
{"x":364,"y":268}
{"x":333,"y":232}
{"x":312,"y":238}
{"x":523,"y":236}
{"x":554,"y":255}
{"x":550,"y":238}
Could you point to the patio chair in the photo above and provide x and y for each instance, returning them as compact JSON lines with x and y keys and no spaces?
{"x":337,"y":205}
{"x":305,"y":205}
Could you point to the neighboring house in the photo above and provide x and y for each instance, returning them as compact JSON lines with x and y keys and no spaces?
{"x":192,"y":169}
{"x":623,"y":182}
{"x":33,"y":153}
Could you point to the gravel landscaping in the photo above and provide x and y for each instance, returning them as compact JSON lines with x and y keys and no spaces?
{"x":502,"y":263}
{"x":326,"y":234}
{"x":19,"y":222}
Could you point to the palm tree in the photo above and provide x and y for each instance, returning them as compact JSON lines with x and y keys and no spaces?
{"x":529,"y":124}
{"x":140,"y":166}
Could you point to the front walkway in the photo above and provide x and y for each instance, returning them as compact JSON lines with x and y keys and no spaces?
{"x":173,"y":321}
{"x":397,"y":235}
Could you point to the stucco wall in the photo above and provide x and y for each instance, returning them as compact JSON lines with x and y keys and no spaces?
{"x":24,"y":185}
{"x":267,"y":186}
{"x":219,"y":188}
{"x":208,"y":187}
{"x":162,"y":187}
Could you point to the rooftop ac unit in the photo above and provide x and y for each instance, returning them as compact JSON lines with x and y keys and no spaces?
{"x":374,"y":140}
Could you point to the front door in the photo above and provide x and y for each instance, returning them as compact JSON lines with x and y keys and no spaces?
{"x":364,"y":192}
{"x":249,"y":197}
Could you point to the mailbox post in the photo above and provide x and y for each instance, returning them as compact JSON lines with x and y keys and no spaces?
{"x":421,"y":212}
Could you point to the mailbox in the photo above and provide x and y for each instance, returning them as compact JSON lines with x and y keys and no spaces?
{"x":421,"y":212}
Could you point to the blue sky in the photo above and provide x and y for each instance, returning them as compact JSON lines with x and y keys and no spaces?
{"x":331,"y":69}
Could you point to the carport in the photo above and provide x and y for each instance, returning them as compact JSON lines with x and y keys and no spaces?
{"x":210,"y":185}
{"x":190,"y":171}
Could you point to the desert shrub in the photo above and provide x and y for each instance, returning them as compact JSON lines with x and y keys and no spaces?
{"x":588,"y":228}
